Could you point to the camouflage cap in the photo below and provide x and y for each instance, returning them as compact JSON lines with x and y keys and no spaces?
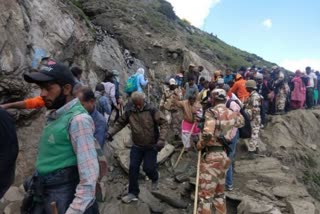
{"x":219,"y":94}
{"x":251,"y":84}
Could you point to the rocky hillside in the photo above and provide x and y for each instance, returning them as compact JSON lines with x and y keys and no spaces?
{"x":93,"y":34}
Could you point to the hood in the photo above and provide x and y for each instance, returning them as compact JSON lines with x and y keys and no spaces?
{"x":140,"y":71}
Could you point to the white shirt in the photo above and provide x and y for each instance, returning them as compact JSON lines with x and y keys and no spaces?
{"x":312,"y":78}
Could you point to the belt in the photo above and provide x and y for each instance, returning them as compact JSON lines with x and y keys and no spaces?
{"x":214,"y":149}
{"x":60,"y":177}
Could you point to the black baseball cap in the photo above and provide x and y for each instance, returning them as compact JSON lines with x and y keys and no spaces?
{"x":58,"y":73}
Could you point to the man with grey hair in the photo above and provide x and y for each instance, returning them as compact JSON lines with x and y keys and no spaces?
{"x":148,"y":140}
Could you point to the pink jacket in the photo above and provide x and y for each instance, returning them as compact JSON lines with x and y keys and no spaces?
{"x":235,"y":108}
{"x":299,"y":90}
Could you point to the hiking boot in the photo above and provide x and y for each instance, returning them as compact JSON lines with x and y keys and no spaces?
{"x":155,"y":185}
{"x":251,"y":155}
{"x":129,"y":198}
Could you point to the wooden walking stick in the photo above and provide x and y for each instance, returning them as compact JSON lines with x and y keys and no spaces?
{"x":195,"y":205}
{"x":182,"y":151}
{"x":54,"y":208}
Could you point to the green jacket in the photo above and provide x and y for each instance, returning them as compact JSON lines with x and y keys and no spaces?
{"x":55,"y":148}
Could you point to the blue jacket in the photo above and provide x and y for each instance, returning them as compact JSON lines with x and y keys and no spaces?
{"x":100,"y":127}
{"x":141,"y":82}
{"x":103,"y":105}
{"x":228,"y":78}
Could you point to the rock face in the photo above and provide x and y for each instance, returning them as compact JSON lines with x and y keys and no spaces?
{"x":93,"y":34}
{"x":62,"y":30}
{"x":31,"y":30}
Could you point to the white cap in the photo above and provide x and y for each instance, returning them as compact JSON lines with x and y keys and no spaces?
{"x":221,"y":81}
{"x":172,"y":82}
{"x":259,"y":76}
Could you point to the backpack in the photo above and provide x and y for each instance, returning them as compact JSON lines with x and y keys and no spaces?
{"x":98,"y":104}
{"x":132,"y":84}
{"x":167,"y":80}
{"x":246,"y":131}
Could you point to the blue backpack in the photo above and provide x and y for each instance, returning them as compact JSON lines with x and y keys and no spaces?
{"x":132,"y":84}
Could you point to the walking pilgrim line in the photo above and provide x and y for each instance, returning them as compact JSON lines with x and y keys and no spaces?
{"x":207,"y":115}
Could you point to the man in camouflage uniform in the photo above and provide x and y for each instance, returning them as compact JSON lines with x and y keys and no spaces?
{"x":253,"y":106}
{"x":281,"y":90}
{"x":219,"y":121}
{"x":170,"y":110}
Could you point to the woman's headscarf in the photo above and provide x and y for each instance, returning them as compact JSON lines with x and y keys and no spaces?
{"x":116,"y":75}
{"x":140,"y":71}
{"x":298,"y":73}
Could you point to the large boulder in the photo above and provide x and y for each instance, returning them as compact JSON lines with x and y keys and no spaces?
{"x":285,"y":191}
{"x":163,"y":155}
{"x":168,"y":193}
{"x":153,"y":203}
{"x":251,"y":206}
{"x":117,"y":207}
{"x":299,"y":206}
{"x":14,"y":194}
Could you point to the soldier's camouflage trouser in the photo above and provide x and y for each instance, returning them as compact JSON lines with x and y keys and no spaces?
{"x":281,"y":101}
{"x":174,"y":119}
{"x":255,"y":125}
{"x":213,"y":169}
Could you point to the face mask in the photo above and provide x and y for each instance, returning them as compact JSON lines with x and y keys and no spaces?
{"x":59,"y":101}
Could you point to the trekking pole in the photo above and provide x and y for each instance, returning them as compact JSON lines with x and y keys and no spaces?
{"x":54,"y":208}
{"x":195,"y":205}
{"x":182,"y":151}
{"x":148,"y":93}
{"x":121,"y":110}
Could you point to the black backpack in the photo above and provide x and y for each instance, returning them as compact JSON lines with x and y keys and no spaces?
{"x":246,"y":131}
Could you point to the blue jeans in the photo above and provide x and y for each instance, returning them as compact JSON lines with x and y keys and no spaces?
{"x":150,"y":167}
{"x":63,"y":193}
{"x":232,"y":146}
